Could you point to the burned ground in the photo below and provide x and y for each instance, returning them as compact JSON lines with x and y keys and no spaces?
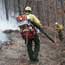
{"x":15,"y":53}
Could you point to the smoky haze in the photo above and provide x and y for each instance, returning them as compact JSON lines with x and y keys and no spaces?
{"x":48,"y":11}
{"x":6,"y":24}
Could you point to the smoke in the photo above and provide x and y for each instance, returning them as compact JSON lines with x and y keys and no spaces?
{"x":3,"y":39}
{"x":7,"y":25}
{"x":4,"y":26}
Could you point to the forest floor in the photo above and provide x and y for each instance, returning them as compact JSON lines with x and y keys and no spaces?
{"x":16,"y":53}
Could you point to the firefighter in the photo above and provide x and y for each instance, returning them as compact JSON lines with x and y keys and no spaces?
{"x":59,"y":28}
{"x":33,"y":55}
{"x":32,"y":35}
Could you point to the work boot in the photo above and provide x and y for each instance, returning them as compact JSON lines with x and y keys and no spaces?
{"x":36,"y":60}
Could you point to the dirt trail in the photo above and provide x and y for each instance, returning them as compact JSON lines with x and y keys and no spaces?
{"x":16,"y":53}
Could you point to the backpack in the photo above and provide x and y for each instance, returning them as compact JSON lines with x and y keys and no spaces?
{"x":27,"y":30}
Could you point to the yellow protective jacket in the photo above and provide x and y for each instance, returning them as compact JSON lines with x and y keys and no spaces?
{"x":34,"y":20}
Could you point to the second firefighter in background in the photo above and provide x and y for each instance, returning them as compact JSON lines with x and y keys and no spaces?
{"x":59,"y":28}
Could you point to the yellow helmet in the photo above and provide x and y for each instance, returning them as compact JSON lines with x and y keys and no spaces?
{"x":28,"y":8}
{"x":57,"y":24}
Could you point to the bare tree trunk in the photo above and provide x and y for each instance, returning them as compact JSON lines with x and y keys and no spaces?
{"x":62,"y":7}
{"x":19,"y":7}
{"x":28,"y":3}
{"x":6,"y":8}
{"x":47,"y":11}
